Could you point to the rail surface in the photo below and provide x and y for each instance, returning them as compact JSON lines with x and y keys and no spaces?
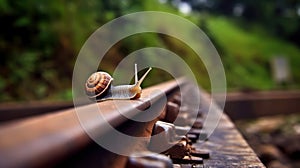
{"x":247,"y":105}
{"x":58,"y":138}
{"x":13,"y":111}
{"x":228,"y":147}
{"x":45,"y":139}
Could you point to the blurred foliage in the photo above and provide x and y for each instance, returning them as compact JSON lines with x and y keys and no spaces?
{"x":279,"y":17}
{"x":39,"y":41}
{"x":38,"y":44}
{"x":246,"y":54}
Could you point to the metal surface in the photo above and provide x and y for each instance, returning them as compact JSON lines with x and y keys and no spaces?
{"x":13,"y":111}
{"x":46,"y":139}
{"x":249,"y":105}
{"x":58,"y":139}
{"x":226,"y":146}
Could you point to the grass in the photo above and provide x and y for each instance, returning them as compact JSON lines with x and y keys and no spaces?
{"x":246,"y":54}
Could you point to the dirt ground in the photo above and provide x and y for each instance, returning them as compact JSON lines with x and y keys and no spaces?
{"x":276,"y":139}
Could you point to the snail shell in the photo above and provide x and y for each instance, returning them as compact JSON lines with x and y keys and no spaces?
{"x":97,"y":84}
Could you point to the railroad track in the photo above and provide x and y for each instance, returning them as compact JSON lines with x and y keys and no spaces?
{"x":62,"y":139}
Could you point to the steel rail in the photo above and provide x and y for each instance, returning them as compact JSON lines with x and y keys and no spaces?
{"x":12,"y":111}
{"x":43,"y":140}
{"x":247,"y":105}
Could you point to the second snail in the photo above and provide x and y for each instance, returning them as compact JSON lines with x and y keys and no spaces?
{"x":98,"y":86}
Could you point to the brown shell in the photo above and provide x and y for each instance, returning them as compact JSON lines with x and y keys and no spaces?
{"x":97,"y":84}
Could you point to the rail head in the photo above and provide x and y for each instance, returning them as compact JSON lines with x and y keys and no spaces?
{"x":60,"y":139}
{"x":46,"y":139}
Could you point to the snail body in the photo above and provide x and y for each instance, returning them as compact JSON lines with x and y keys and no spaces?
{"x":99,"y":87}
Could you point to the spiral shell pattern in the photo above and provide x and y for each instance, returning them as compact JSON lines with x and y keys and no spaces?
{"x":97,"y":84}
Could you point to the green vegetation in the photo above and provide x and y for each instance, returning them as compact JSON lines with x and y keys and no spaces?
{"x":246,"y":54}
{"x":39,"y":42}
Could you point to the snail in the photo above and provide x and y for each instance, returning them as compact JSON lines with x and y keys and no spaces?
{"x":98,"y":86}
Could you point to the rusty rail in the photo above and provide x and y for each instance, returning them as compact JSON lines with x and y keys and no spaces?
{"x":58,"y":139}
{"x":45,"y":139}
{"x":13,"y":111}
{"x":249,"y":105}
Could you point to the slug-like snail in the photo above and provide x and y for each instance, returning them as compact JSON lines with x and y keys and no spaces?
{"x":98,"y":86}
